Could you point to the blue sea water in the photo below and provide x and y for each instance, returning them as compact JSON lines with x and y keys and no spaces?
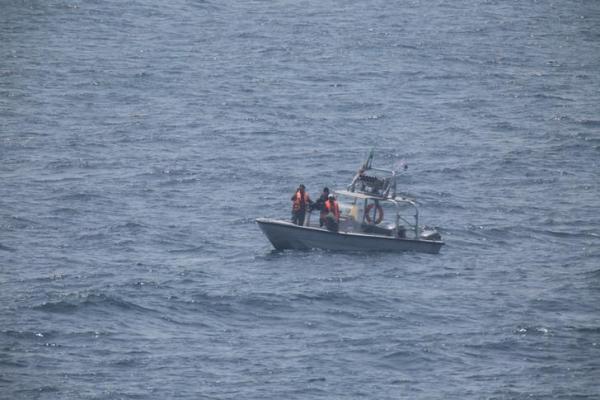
{"x":139,"y":140}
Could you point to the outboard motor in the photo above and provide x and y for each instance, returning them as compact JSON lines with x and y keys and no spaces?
{"x":430,"y":234}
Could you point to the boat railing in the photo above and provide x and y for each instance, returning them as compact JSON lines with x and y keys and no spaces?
{"x":402,"y":221}
{"x":401,"y":217}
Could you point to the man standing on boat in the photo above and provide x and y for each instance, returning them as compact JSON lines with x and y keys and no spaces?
{"x":332,"y":210}
{"x":320,"y":205}
{"x":301,"y":201}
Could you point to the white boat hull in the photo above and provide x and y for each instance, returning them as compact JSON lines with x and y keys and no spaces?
{"x":285,"y":235}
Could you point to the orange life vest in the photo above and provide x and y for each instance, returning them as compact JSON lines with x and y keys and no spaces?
{"x":332,"y":206}
{"x":300,"y":201}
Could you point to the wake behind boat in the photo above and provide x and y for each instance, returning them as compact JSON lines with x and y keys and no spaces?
{"x":372,"y":217}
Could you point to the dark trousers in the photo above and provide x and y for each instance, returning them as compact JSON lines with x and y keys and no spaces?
{"x":298,"y":217}
{"x":331,"y":224}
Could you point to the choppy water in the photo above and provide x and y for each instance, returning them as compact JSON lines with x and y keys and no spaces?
{"x":140,"y":139}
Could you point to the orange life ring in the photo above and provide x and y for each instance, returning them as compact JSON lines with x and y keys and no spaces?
{"x":378,"y":214}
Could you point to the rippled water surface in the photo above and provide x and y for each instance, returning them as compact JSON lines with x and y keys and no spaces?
{"x":139,"y":140}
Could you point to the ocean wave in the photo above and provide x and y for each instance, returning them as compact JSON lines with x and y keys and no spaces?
{"x":46,"y":335}
{"x":180,"y":181}
{"x":588,"y":123}
{"x":503,"y":344}
{"x":14,"y":222}
{"x":192,"y":249}
{"x":65,"y":211}
{"x":85,"y":197}
{"x":28,"y":335}
{"x":594,"y":274}
{"x":418,"y":355}
{"x":553,"y":304}
{"x":93,"y":236}
{"x":128,"y":226}
{"x":574,"y":234}
{"x":333,"y":298}
{"x":6,"y":248}
{"x":273,"y":305}
{"x":545,"y":96}
{"x":203,"y":245}
{"x":508,"y":234}
{"x":78,"y":303}
{"x":589,"y":331}
{"x":533,"y":330}
{"x":173,"y":171}
{"x":244,"y":221}
{"x":496,"y":233}
{"x":12,"y":364}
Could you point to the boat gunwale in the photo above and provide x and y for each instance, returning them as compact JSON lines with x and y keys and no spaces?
{"x":326,"y":231}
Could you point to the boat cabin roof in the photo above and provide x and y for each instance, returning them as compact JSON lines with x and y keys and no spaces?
{"x":360,"y":195}
{"x":363,"y":196}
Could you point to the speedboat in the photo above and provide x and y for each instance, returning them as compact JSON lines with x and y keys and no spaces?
{"x":373,"y":217}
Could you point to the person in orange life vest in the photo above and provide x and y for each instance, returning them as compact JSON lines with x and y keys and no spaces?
{"x":332,"y":217}
{"x":301,"y":201}
{"x":320,"y":205}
